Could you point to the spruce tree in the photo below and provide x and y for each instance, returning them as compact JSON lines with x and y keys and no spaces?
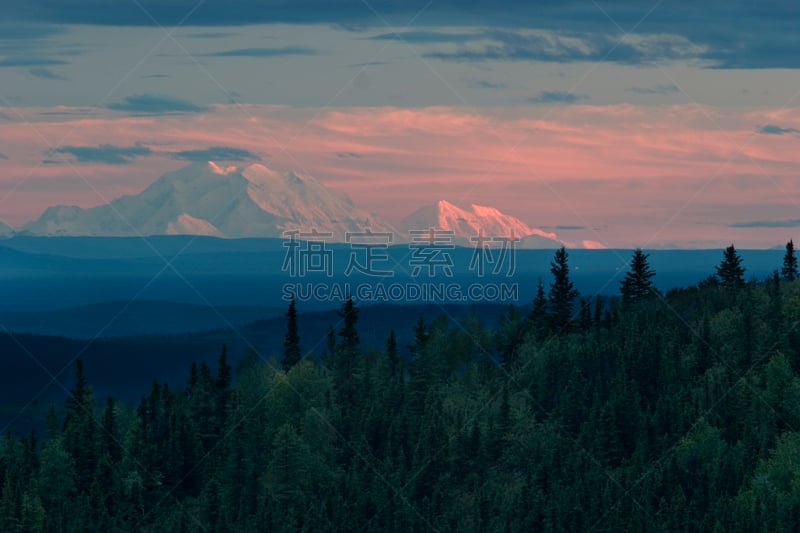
{"x":222,"y":386}
{"x":637,"y":285}
{"x":774,"y":315}
{"x":509,"y":335}
{"x":598,"y":311}
{"x":585,"y":315}
{"x":393,"y":356}
{"x":730,"y":271}
{"x":80,"y":433}
{"x":330,"y":344}
{"x":291,"y":340}
{"x":704,"y":357}
{"x":224,"y":371}
{"x":108,"y":437}
{"x":345,"y":358}
{"x":789,"y":271}
{"x":348,"y":344}
{"x":193,"y":376}
{"x":537,"y":318}
{"x":78,"y":399}
{"x":421,"y":336}
{"x":562,"y":291}
{"x":51,"y":424}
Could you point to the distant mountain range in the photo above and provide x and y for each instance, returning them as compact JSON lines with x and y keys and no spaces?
{"x":254,"y":201}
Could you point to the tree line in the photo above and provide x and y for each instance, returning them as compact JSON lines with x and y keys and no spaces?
{"x":556,"y":310}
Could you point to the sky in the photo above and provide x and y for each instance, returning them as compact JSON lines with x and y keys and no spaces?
{"x":632,"y":124}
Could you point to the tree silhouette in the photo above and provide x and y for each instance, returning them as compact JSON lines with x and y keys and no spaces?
{"x":637,"y":285}
{"x":789,"y":271}
{"x":291,"y":340}
{"x":421,"y":336}
{"x":330,"y":344}
{"x":348,"y":333}
{"x":537,"y":318}
{"x":346,"y":354}
{"x":585,"y":314}
{"x":562,"y":291}
{"x":730,"y":271}
{"x":395,"y":364}
{"x":80,"y":428}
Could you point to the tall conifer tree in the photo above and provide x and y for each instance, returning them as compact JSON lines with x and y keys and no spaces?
{"x":562,"y":291}
{"x":730,"y":271}
{"x":537,"y":318}
{"x":637,"y":285}
{"x":291,"y":340}
{"x":789,"y":271}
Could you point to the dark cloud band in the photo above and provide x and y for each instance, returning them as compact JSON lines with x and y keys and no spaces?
{"x":105,"y":153}
{"x":557,"y":97}
{"x":732,"y":34}
{"x":790,"y":223}
{"x":156,"y":104}
{"x":266,"y":52}
{"x":109,"y":154}
{"x":772,"y":129}
{"x":216,"y":153}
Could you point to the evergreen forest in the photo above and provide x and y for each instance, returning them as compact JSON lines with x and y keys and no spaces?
{"x":645,"y":412}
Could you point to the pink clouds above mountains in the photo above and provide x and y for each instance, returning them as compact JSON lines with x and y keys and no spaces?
{"x":629,"y":175}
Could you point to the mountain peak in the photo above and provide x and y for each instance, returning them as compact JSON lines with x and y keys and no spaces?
{"x":223,"y":171}
{"x":250,"y":201}
{"x":444,"y":204}
{"x":479,"y":219}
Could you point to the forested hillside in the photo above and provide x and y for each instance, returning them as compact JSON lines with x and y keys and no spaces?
{"x":678,"y":412}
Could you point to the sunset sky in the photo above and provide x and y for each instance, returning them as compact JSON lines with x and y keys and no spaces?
{"x":652,"y":124}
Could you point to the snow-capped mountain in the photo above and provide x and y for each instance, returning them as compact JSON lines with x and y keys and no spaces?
{"x":488,"y":221}
{"x":256,"y":201}
{"x":208,"y":199}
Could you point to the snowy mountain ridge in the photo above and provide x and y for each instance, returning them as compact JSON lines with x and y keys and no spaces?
{"x":479,"y":220}
{"x":208,"y":199}
{"x":211,"y":199}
